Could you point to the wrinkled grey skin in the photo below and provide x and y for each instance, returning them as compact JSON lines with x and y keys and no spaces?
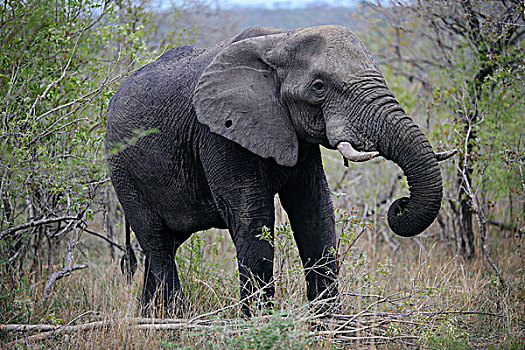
{"x":243,"y":121}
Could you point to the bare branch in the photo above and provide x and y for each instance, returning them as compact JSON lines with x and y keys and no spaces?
{"x":81,"y":98}
{"x":482,"y":223}
{"x":30,"y":224}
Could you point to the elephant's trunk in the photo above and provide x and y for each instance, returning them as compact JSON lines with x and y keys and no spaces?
{"x":412,"y":152}
{"x":374,"y":121}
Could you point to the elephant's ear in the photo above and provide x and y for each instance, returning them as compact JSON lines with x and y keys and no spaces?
{"x":236,"y":97}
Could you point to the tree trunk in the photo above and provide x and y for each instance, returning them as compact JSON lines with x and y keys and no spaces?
{"x":465,"y":241}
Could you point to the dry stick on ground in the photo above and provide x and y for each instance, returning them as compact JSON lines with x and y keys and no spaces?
{"x":101,"y":325}
{"x":240,"y":325}
{"x":137,"y":323}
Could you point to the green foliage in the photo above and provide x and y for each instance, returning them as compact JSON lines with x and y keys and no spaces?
{"x":449,"y":336}
{"x":277,"y":333}
{"x":60,"y":62}
{"x":57,"y":82}
{"x":483,"y":95}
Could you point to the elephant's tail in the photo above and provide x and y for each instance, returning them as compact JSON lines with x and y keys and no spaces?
{"x":128,"y":263}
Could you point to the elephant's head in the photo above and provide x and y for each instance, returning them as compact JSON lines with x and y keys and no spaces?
{"x":318,"y":85}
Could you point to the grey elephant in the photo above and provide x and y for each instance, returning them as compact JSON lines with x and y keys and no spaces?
{"x":238,"y":123}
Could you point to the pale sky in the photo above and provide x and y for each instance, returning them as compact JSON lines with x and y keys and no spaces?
{"x":283,"y":3}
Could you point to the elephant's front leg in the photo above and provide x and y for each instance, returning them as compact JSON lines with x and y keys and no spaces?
{"x":308,"y":204}
{"x":246,"y":205}
{"x":255,"y":260}
{"x":250,"y":218}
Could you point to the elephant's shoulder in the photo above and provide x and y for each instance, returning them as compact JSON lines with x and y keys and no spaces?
{"x":253,"y":32}
{"x":169,"y":60}
{"x":178,"y":53}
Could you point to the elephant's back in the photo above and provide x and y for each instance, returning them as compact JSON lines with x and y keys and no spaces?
{"x":154,"y":96}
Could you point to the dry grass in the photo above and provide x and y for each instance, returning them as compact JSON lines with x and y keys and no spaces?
{"x":389,"y":299}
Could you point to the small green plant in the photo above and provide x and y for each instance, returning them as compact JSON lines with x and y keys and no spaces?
{"x":448,"y":336}
{"x":276,"y":333}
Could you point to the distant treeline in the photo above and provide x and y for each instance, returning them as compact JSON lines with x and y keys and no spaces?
{"x":290,"y":18}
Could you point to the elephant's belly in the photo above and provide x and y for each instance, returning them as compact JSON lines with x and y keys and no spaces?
{"x":185,"y":203}
{"x":187,"y":217}
{"x":173,"y":183}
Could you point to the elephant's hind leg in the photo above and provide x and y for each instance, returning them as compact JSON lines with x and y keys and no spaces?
{"x":161,"y":292}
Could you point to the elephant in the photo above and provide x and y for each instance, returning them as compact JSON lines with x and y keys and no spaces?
{"x":206,"y":138}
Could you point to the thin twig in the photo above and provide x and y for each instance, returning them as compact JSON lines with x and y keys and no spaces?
{"x":107,"y":239}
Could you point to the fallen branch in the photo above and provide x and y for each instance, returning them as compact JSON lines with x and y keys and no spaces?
{"x":422,"y":313}
{"x":137,"y":323}
{"x":367,"y":326}
{"x":364,"y":327}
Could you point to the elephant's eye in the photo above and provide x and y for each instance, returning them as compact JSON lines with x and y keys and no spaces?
{"x":319,"y":87}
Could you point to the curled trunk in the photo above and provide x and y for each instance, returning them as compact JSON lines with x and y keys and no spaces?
{"x":409,"y":216}
{"x":380,"y":124}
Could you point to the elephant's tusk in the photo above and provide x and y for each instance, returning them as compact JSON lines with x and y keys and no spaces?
{"x":346,"y":149}
{"x":445,"y":155}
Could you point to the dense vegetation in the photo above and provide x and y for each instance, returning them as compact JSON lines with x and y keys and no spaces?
{"x":456,"y":66}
